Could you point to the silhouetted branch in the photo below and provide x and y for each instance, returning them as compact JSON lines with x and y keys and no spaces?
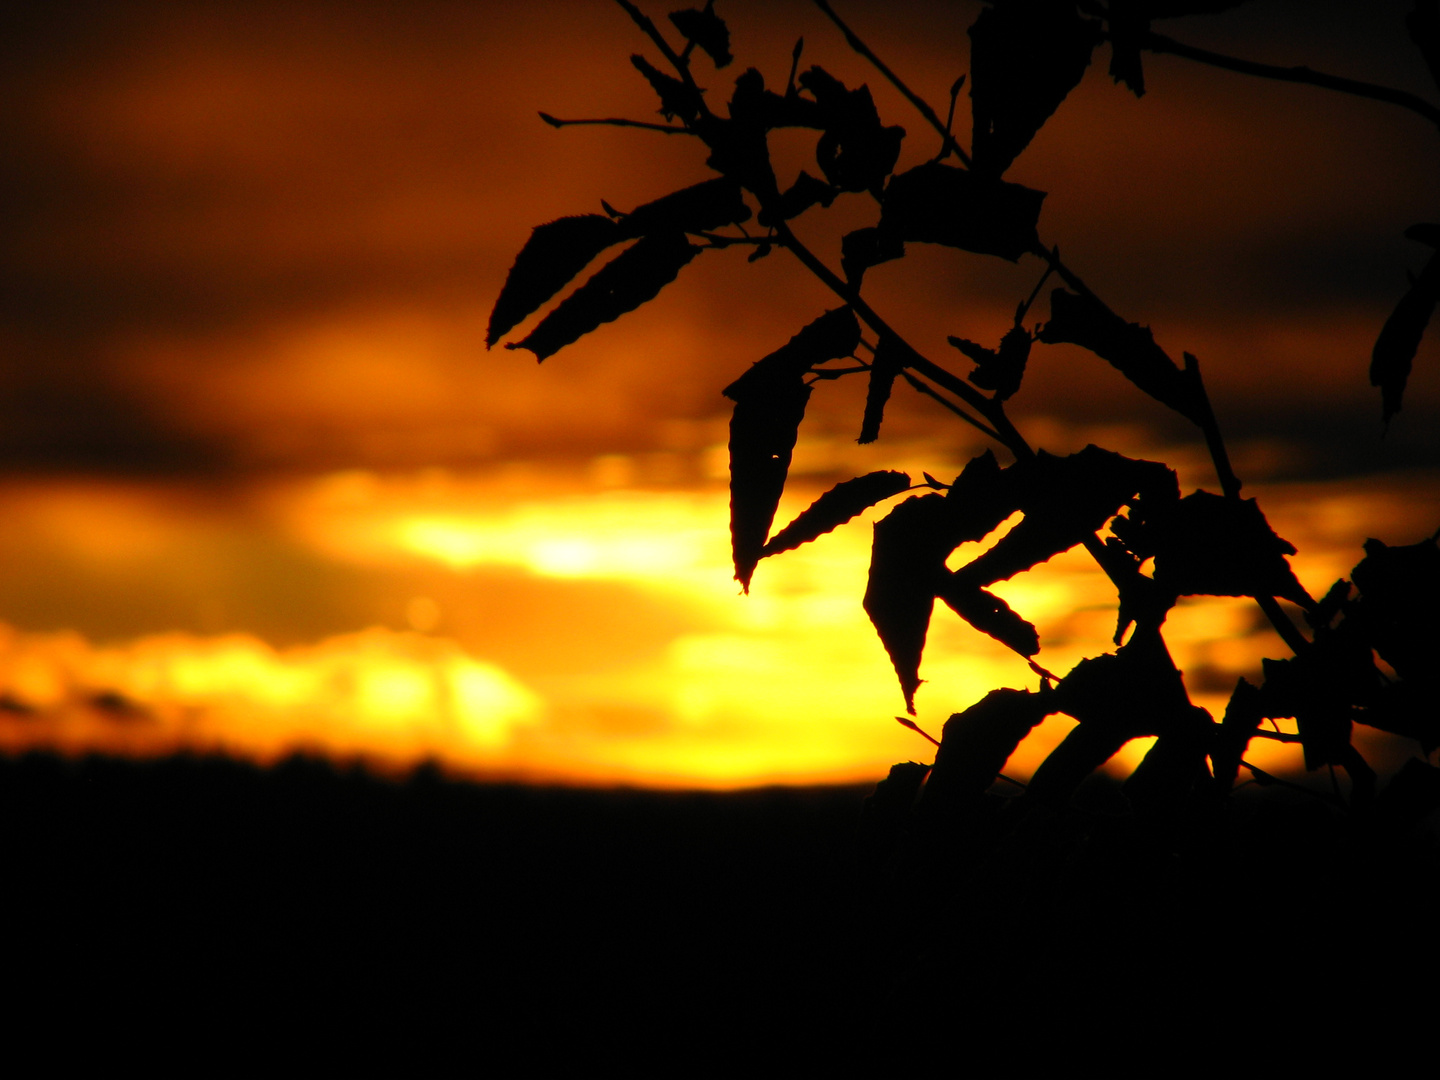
{"x":921,"y":105}
{"x":961,"y":413}
{"x":615,"y":121}
{"x":653,"y":33}
{"x":1161,"y":44}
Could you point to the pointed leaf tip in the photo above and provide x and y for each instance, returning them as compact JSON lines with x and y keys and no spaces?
{"x":623,"y":284}
{"x":838,"y":505}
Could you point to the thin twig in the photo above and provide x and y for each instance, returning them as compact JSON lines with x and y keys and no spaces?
{"x":616,"y":121}
{"x":961,"y":413}
{"x":1161,"y":44}
{"x":921,"y":105}
{"x":1270,"y":778}
{"x":681,"y":67}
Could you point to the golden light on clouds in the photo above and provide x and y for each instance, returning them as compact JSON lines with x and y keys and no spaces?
{"x":788,"y":683}
{"x":265,"y":491}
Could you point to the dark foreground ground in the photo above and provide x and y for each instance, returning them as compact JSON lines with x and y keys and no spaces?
{"x":204,"y":916}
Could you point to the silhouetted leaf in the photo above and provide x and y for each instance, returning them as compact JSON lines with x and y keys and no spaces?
{"x":698,"y":208}
{"x":831,"y":336}
{"x":864,"y":248}
{"x":1399,"y":338}
{"x":707,"y":30}
{"x":1318,"y":688}
{"x":941,"y":204}
{"x":1129,"y":348}
{"x":1242,"y":719}
{"x":982,"y":496}
{"x":763,"y":429}
{"x":770,"y":402}
{"x":1423,"y":23}
{"x":989,"y":614}
{"x":1025,"y":57}
{"x":1411,"y":795}
{"x":753,"y":105}
{"x":1329,"y":606}
{"x":1399,"y":606}
{"x":553,"y":255}
{"x":884,"y":366}
{"x":907,"y":562}
{"x":1129,"y":23}
{"x":737,"y":146}
{"x":623,"y":284}
{"x":1002,"y":370}
{"x":1211,"y":545}
{"x":805,"y":193}
{"x":1116,"y":697}
{"x":856,"y":152}
{"x":1064,"y":501}
{"x":837,"y":506}
{"x":976,"y":744}
{"x":676,"y":99}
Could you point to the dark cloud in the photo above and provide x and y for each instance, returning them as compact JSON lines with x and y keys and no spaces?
{"x":206,"y":204}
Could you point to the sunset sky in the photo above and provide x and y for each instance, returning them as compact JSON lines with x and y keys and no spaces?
{"x":265,"y":489}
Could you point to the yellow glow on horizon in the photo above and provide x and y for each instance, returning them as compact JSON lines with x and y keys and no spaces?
{"x":788,"y":683}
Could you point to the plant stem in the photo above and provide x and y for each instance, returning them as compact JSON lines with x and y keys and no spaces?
{"x":1161,"y":44}
{"x":915,"y":99}
{"x":615,"y":121}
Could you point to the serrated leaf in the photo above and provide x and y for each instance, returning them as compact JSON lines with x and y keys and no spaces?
{"x":831,"y":336}
{"x":1064,"y":501}
{"x":1399,"y":339}
{"x":976,"y":744}
{"x":982,"y":496}
{"x":942,"y":204}
{"x":856,"y":152}
{"x":838,"y":505}
{"x":864,"y":248}
{"x":1025,"y":57}
{"x":991,"y":615}
{"x":1211,"y":545}
{"x":699,"y":208}
{"x":907,"y":559}
{"x":623,"y":284}
{"x":1127,"y":347}
{"x":707,"y":30}
{"x":763,"y":429}
{"x":550,"y":259}
{"x":676,"y":99}
{"x":884,"y":366}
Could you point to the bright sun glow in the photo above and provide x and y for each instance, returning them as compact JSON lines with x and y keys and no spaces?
{"x":723,"y":689}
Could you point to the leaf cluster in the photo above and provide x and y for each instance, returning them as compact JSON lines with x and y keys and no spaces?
{"x":1155,"y":543}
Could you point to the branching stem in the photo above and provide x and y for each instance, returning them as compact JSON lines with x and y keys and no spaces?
{"x":1161,"y":44}
{"x":921,"y":105}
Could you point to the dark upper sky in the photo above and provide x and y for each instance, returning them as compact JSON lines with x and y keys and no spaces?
{"x":268,"y":235}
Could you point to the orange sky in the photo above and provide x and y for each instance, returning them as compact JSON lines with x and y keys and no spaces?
{"x":250,"y":253}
